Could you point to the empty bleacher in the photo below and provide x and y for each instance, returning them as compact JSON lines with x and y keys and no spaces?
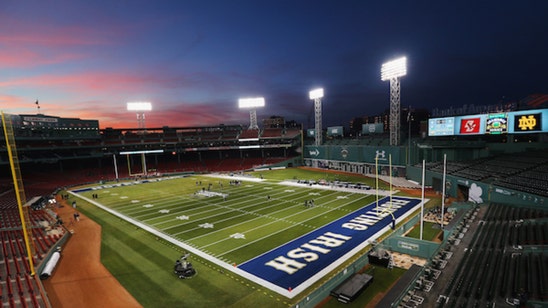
{"x":249,"y":134}
{"x":19,"y":288}
{"x":528,"y":174}
{"x":272,"y":133}
{"x":502,"y":261}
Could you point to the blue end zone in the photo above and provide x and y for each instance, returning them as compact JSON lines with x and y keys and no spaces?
{"x":290,"y":265}
{"x":82,"y":190}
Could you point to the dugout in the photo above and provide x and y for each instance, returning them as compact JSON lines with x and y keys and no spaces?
{"x":351,"y":288}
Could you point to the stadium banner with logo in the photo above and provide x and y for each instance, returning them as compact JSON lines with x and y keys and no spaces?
{"x":496,"y":123}
{"x":529,"y":121}
{"x":345,"y":153}
{"x":375,"y":128}
{"x":335,"y":131}
{"x":316,"y":152}
{"x":471,"y":125}
{"x":383,"y":155}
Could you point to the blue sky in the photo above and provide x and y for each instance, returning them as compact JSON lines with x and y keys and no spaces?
{"x":194,"y":59}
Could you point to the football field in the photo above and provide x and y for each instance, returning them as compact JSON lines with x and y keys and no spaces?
{"x":282,"y":234}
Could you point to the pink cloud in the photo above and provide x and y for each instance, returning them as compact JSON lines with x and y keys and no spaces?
{"x":25,"y":58}
{"x":109,"y":81}
{"x":186,"y":115}
{"x":26,"y":44}
{"x":90,"y":81}
{"x":12,"y":102}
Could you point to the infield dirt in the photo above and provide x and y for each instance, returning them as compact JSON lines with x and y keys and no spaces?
{"x":80,"y":279}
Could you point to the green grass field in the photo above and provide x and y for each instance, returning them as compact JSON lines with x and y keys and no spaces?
{"x":430,"y":231}
{"x":143,"y":262}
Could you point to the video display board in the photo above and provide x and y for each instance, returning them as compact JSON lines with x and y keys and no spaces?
{"x":529,"y":121}
{"x":496,"y":124}
{"x":471,"y":125}
{"x":515,"y":122}
{"x":441,"y":126}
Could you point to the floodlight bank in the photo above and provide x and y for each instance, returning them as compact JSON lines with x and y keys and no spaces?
{"x":316,"y":93}
{"x":251,"y":102}
{"x":394,"y":69}
{"x":139,"y":106}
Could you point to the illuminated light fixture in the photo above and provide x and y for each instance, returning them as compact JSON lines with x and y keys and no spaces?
{"x":245,"y":147}
{"x":252,"y":103}
{"x":248,"y":139}
{"x":316,"y":93}
{"x":139,"y":106}
{"x":394,"y":69}
{"x":141,"y":152}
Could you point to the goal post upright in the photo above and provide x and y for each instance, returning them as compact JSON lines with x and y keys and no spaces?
{"x":143,"y":160}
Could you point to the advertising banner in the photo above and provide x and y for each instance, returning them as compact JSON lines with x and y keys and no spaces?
{"x":376,"y":128}
{"x":334,"y":131}
{"x":496,"y":124}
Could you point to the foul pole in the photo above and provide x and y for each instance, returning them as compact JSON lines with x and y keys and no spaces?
{"x":422,"y":200}
{"x":18,"y":186}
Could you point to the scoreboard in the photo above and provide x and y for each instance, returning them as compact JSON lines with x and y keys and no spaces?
{"x":441,"y":126}
{"x":516,"y":122}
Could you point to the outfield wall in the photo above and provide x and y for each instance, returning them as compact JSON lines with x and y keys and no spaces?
{"x":411,"y":246}
{"x":356,"y":153}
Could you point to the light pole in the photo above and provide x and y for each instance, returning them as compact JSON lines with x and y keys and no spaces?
{"x":392,"y":71}
{"x":140,"y":108}
{"x":317,"y":95}
{"x":409,"y":119}
{"x":252,"y":104}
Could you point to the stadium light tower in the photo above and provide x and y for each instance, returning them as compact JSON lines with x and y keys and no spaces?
{"x":317,"y":95}
{"x":392,"y":71}
{"x":140,"y":108}
{"x":252,"y":104}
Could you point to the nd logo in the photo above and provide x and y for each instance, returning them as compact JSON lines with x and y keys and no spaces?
{"x":527,"y":123}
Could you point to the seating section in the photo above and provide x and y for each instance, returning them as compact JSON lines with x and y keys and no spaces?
{"x":503,"y":260}
{"x":18,"y":288}
{"x":249,"y":133}
{"x":272,"y":133}
{"x":529,"y":173}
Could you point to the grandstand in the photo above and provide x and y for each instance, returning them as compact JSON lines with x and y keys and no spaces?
{"x":507,"y":229}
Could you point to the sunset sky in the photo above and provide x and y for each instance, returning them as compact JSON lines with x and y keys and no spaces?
{"x":194,"y":59}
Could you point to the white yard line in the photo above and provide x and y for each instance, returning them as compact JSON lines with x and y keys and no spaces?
{"x":236,"y":270}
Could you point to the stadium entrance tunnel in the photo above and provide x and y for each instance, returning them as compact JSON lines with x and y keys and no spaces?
{"x":183,"y":269}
